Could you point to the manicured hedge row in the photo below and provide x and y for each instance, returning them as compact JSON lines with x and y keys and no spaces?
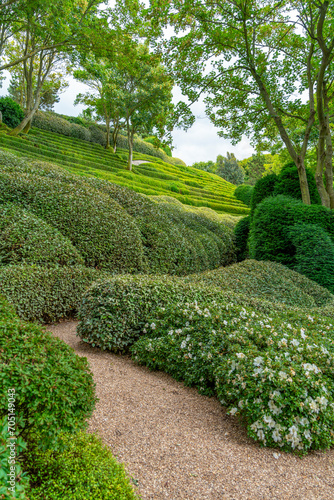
{"x":267,"y":280}
{"x":27,"y":238}
{"x":244,"y":193}
{"x":46,"y":294}
{"x":114,"y":312}
{"x":241,"y":233}
{"x":83,"y":469}
{"x":104,"y":234}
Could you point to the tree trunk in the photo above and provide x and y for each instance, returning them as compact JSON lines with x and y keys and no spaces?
{"x":130,"y":155}
{"x":328,"y":153}
{"x":26,"y":122}
{"x":130,"y":133}
{"x":108,"y":134}
{"x":27,"y":127}
{"x":303,"y":180}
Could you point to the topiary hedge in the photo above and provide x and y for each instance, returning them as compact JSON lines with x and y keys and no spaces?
{"x":83,"y":469}
{"x":314,"y":253}
{"x":27,"y":238}
{"x":288,"y":183}
{"x":46,"y":294}
{"x":275,"y":372}
{"x":263,"y":188}
{"x":244,"y":193}
{"x":52,"y":387}
{"x":241,"y":233}
{"x":270,"y":229}
{"x":266,"y":280}
{"x":101,"y":230}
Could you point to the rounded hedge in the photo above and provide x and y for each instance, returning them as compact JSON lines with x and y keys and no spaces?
{"x":12,"y":113}
{"x":263,"y":188}
{"x":289,"y":185}
{"x":83,"y":469}
{"x":27,"y":238}
{"x":269,"y":237}
{"x":266,"y":280}
{"x":46,"y":294}
{"x":101,"y":230}
{"x":314,"y":253}
{"x":244,"y":193}
{"x":54,"y":387}
{"x":241,"y":233}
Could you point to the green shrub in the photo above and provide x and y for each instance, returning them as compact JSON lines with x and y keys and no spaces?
{"x":12,"y":114}
{"x":244,"y":193}
{"x":104,"y":234}
{"x":289,"y":185}
{"x":46,"y":294}
{"x":241,"y":233}
{"x":114,"y":312}
{"x":263,"y":188}
{"x":83,"y":469}
{"x":9,"y":487}
{"x":272,"y":371}
{"x":54,"y":387}
{"x":269,"y":234}
{"x":266,"y":280}
{"x":314,"y":253}
{"x":25,"y":237}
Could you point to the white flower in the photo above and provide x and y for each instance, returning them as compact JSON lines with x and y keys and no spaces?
{"x":289,"y":326}
{"x":258,"y":361}
{"x":295,"y":342}
{"x":310,"y":318}
{"x":240,"y":355}
{"x":269,"y":421}
{"x":144,"y":330}
{"x":276,"y":436}
{"x":274,"y":408}
{"x":183,"y":344}
{"x":241,"y":404}
{"x":258,"y":400}
{"x":307,"y":434}
{"x":153,"y":326}
{"x":258,"y":371}
{"x":322,"y":401}
{"x":313,"y":405}
{"x":282,"y":375}
{"x":261,"y":434}
{"x":311,"y":367}
{"x":171,"y":332}
{"x":303,"y":421}
{"x":225,"y":322}
{"x":233,"y":411}
{"x":275,"y":394}
{"x":276,"y":455}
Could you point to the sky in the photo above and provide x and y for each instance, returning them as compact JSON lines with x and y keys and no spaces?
{"x":199,"y":143}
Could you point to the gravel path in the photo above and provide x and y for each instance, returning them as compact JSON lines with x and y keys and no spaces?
{"x":179,"y":445}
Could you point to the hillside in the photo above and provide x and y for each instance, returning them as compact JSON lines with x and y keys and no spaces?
{"x":156,"y":177}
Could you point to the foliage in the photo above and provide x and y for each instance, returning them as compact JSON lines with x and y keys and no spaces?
{"x":94,"y":223}
{"x":12,"y":114}
{"x":229,"y":169}
{"x":53,"y":386}
{"x":263,"y":188}
{"x":314,"y":253}
{"x":266,"y":281}
{"x":241,"y":233}
{"x":253,"y":167}
{"x":288,"y":183}
{"x":26,"y":238}
{"x":46,"y":294}
{"x":82,"y":469}
{"x":285,"y":397}
{"x":270,"y":229}
{"x":244,"y":193}
{"x":207,"y":166}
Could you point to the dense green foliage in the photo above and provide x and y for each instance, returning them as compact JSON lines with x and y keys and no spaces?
{"x":263,"y":188}
{"x":53,"y":386}
{"x":156,"y":177}
{"x":266,"y":280}
{"x":314,"y":253}
{"x":241,"y":233}
{"x":287,"y":398}
{"x":27,"y":238}
{"x":288,"y":183}
{"x":12,"y":114}
{"x":82,"y":469}
{"x":46,"y":294}
{"x":244,"y":193}
{"x":270,"y":229}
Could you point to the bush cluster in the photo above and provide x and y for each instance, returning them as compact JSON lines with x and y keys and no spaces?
{"x":263,"y":188}
{"x":274,"y":371}
{"x":27,"y":238}
{"x":46,"y":294}
{"x":244,"y":193}
{"x":54,"y":387}
{"x":82,"y":469}
{"x":12,"y":114}
{"x":241,"y":233}
{"x":288,"y":184}
{"x":100,"y":229}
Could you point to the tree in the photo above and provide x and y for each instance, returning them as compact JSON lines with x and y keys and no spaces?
{"x":207,"y":166}
{"x":229,"y":169}
{"x":254,"y":168}
{"x":254,"y":65}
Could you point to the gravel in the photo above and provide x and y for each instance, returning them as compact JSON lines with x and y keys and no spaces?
{"x":179,"y":445}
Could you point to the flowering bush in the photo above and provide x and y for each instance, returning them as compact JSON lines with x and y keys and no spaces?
{"x":276,"y":372}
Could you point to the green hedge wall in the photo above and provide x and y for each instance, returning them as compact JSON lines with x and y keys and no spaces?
{"x":244,"y":193}
{"x":288,"y":184}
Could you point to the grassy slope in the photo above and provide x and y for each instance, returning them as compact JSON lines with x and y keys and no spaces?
{"x":188,"y":185}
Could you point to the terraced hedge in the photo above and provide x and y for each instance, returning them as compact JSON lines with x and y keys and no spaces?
{"x":27,"y":238}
